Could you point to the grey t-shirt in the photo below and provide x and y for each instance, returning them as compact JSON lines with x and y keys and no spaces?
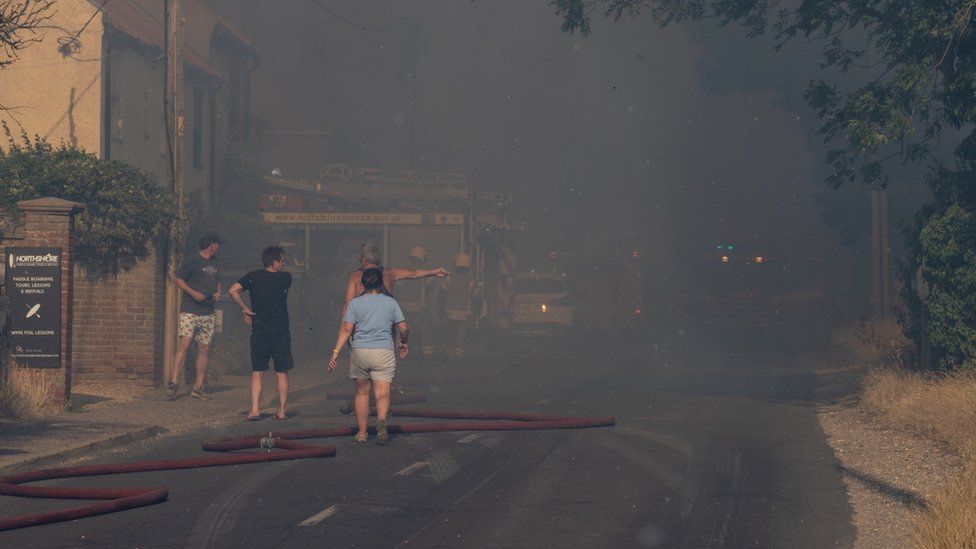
{"x":201,"y":274}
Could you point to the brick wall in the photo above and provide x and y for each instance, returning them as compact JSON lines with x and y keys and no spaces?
{"x":50,"y":222}
{"x":119,"y":325}
{"x":115,"y":326}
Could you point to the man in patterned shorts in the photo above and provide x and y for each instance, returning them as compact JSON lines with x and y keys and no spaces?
{"x":199,"y":279}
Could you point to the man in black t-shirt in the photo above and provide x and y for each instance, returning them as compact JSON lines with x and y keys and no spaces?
{"x":268,"y":319}
{"x":199,"y":279}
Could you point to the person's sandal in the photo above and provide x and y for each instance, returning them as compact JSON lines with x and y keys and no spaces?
{"x":201,"y":393}
{"x":382,"y":435}
{"x":360,"y":438}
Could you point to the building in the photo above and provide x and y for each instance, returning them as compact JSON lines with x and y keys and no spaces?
{"x":101,"y":66}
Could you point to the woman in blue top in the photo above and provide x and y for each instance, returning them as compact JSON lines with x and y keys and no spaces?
{"x":372,"y":362}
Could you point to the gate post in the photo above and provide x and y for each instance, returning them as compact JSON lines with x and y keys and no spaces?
{"x":50,"y":222}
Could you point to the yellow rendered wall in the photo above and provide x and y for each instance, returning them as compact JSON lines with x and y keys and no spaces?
{"x":52,"y":95}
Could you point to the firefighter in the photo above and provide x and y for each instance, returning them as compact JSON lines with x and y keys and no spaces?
{"x":457,"y":308}
{"x":413,"y":296}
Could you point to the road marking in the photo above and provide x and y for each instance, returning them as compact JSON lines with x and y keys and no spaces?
{"x":657,"y":437}
{"x":222,"y":515}
{"x":410,"y":469}
{"x":442,"y":467}
{"x":490,"y":441}
{"x":518,"y":453}
{"x":469,"y":438}
{"x":315,"y":519}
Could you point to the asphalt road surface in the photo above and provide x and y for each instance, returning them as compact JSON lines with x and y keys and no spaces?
{"x":710,"y":449}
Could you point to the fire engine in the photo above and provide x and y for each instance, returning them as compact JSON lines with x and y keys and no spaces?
{"x":605,"y":277}
{"x":745,"y":285}
{"x":327,"y":219}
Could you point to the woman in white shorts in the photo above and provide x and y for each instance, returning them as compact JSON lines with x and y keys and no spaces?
{"x":372,"y":362}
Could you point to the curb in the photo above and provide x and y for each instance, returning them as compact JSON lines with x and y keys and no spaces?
{"x":118,"y":441}
{"x":110,"y":443}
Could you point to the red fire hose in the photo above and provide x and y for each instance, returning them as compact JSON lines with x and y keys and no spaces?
{"x":119,"y":499}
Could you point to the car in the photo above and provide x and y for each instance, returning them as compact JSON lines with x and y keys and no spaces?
{"x":541,"y":302}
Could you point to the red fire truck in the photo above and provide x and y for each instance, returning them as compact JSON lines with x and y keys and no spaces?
{"x":326,"y":220}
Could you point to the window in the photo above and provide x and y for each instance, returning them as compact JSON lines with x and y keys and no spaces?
{"x":539,"y":286}
{"x":234,"y":99}
{"x":116,"y":121}
{"x":112,"y":124}
{"x":197,"y":128}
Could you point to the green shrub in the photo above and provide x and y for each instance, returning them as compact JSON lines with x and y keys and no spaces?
{"x":942,"y":244}
{"x":126,"y":208}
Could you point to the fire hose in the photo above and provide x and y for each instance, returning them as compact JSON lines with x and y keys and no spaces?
{"x":283,"y":442}
{"x":398,"y":397}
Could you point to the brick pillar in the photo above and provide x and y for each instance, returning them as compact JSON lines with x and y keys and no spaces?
{"x":51,"y":222}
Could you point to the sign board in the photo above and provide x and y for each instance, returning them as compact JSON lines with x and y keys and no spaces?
{"x":33,"y":281}
{"x":371,"y":218}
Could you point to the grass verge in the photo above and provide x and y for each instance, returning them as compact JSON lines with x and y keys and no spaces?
{"x":942,"y":407}
{"x":26,"y":393}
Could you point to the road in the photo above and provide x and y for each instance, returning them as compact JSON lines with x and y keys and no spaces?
{"x":710,"y":449}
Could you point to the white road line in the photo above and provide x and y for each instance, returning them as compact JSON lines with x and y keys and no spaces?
{"x":490,"y":441}
{"x":315,"y":519}
{"x":442,"y":467}
{"x":469,"y":438}
{"x":668,"y":441}
{"x":412,"y":468}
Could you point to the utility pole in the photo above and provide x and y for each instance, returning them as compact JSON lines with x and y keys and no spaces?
{"x":414,"y":45}
{"x":880,"y":265}
{"x":173,"y":103}
{"x":880,"y":276}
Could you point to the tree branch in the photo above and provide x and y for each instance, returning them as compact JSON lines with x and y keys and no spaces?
{"x":19,"y":21}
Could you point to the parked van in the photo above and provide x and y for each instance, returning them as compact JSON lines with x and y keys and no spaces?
{"x":541,"y":302}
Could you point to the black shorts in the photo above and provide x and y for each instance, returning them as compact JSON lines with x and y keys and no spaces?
{"x":271,"y":346}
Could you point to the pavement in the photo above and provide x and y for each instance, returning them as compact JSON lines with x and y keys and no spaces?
{"x":106,"y":416}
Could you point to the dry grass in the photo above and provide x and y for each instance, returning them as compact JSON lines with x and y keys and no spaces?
{"x":950,"y":520}
{"x":875,"y":344}
{"x":942,"y":407}
{"x":26,"y":393}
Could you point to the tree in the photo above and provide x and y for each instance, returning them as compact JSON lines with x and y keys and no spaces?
{"x":127,"y":210}
{"x":914,"y":96}
{"x":19,"y":20}
{"x":921,"y":57}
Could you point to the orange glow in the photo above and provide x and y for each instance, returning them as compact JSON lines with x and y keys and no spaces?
{"x":760,"y":259}
{"x":725,"y":259}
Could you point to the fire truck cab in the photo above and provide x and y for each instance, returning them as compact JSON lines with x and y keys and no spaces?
{"x":325,"y":222}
